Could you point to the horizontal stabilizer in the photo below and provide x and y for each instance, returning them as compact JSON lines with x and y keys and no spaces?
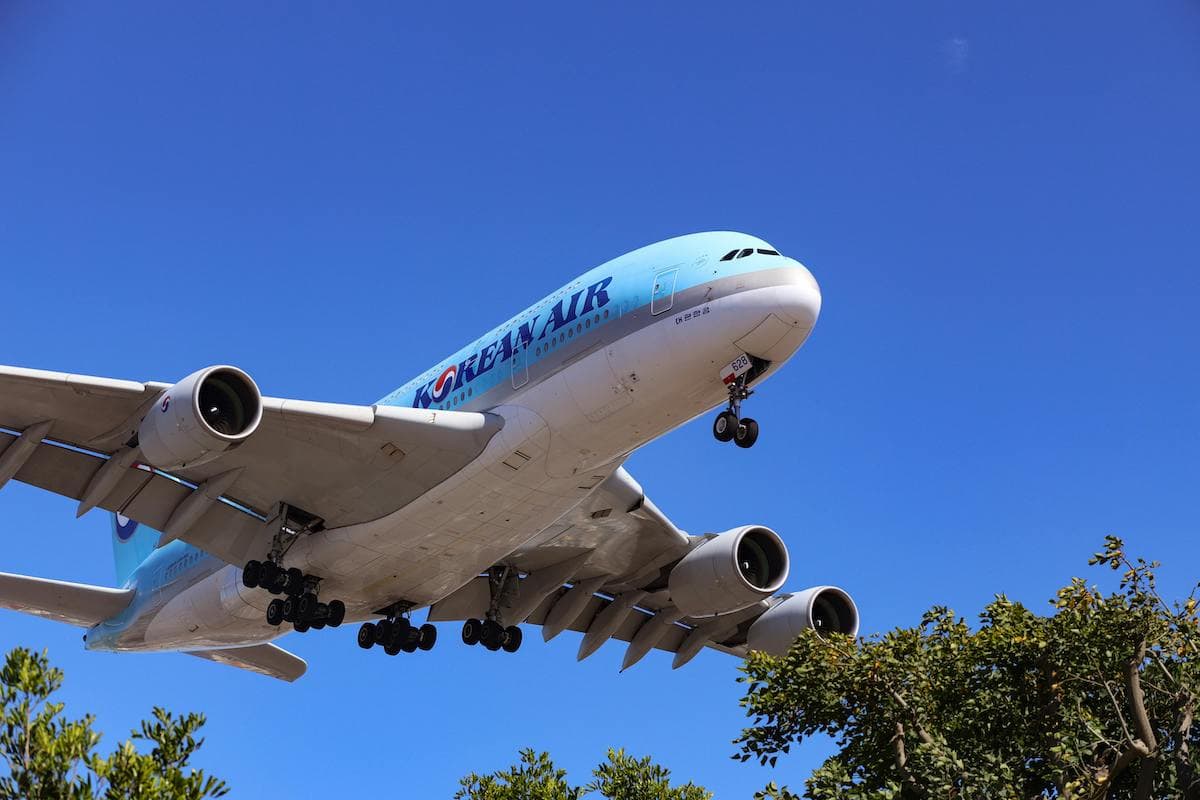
{"x":76,"y":603}
{"x":265,"y":659}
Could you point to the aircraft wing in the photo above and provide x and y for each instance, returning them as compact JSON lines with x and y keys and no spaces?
{"x":265,"y":659}
{"x":339,"y":463}
{"x":601,"y":570}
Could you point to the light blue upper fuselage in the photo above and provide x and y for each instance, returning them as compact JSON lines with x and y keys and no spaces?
{"x":580,"y":308}
{"x":477,"y":376}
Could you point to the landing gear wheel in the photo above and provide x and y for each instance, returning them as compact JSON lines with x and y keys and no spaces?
{"x":301,"y":626}
{"x":428,"y":637}
{"x":366,"y":636}
{"x":724,"y":426}
{"x":383,"y":632}
{"x":472,"y":631}
{"x":492,"y":636}
{"x":289,"y":609}
{"x":747,"y":433}
{"x":512,"y":639}
{"x":251,"y":573}
{"x":275,"y":612}
{"x":268,"y":575}
{"x":392,"y":649}
{"x":337,"y":613}
{"x":317,"y":624}
{"x":293,"y":582}
{"x":307,"y":606}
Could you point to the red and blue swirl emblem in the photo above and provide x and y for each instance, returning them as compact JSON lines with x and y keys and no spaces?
{"x":444,"y":384}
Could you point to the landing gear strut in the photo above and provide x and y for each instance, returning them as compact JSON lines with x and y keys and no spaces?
{"x":491,"y":632}
{"x":729,"y":424}
{"x":300,"y":605}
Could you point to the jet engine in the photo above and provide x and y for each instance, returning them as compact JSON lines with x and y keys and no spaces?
{"x":199,"y":418}
{"x":823,"y":608}
{"x":729,"y":572}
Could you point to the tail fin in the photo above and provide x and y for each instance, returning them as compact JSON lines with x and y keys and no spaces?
{"x":132,"y":543}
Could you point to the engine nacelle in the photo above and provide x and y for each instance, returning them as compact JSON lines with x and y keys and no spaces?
{"x":729,"y":572}
{"x":823,"y":608}
{"x":202,"y":416}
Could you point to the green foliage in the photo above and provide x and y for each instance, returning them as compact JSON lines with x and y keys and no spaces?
{"x":44,"y":752}
{"x":621,"y":777}
{"x":52,"y":758}
{"x":624,"y":777}
{"x":535,"y":778}
{"x":163,"y":772}
{"x":1094,"y":701}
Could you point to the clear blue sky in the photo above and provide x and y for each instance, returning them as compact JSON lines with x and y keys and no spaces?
{"x":1001,"y":208}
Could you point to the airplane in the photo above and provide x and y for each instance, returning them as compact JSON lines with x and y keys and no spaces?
{"x":489,"y":489}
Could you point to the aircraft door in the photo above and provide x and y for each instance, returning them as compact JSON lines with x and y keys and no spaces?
{"x":663,"y":295}
{"x":520,"y":366}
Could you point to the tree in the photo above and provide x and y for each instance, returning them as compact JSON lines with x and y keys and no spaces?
{"x":52,"y":758}
{"x":1095,"y":701}
{"x":621,"y":777}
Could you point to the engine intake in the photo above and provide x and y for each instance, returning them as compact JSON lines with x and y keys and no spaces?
{"x":729,"y":572}
{"x":199,"y":418}
{"x":822,"y":608}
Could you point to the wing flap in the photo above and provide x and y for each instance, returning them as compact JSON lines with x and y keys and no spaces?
{"x":75,"y":603}
{"x":146,"y":496}
{"x":264,"y":659}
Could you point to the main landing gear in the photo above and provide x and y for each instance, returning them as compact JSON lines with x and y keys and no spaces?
{"x":300,"y":606}
{"x":396,"y":634}
{"x":491,"y":632}
{"x":492,"y":635}
{"x":730,"y":425}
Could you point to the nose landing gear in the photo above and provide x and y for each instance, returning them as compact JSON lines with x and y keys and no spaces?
{"x":729,"y":424}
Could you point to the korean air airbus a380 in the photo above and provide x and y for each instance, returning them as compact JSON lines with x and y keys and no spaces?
{"x":488,"y":490}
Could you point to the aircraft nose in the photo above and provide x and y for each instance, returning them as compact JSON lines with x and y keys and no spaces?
{"x":798,"y":297}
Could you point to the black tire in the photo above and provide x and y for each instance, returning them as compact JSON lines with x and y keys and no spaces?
{"x":293,"y":582}
{"x":724,"y":426}
{"x":268,"y":576}
{"x":512,"y":639}
{"x":392,"y":649}
{"x":337,"y":613}
{"x":383,"y":632}
{"x":366,"y":635}
{"x":492,"y":636}
{"x":275,"y":612}
{"x":301,"y":626}
{"x":747,"y":433}
{"x":471,"y":631}
{"x":428,"y":637}
{"x":317,"y":624}
{"x":307,"y":605}
{"x":289,"y":610}
{"x":251,"y":573}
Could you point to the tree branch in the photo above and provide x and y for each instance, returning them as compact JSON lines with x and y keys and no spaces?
{"x":1141,"y":722}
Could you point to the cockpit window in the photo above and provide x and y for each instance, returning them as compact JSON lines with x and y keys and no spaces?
{"x":729,"y":256}
{"x":745,"y":252}
{"x":768,"y":252}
